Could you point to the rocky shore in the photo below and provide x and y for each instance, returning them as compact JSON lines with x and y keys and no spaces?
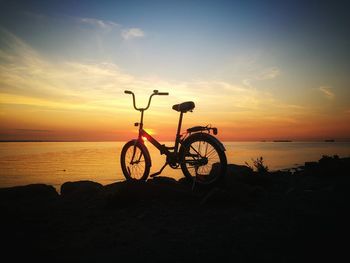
{"x":283,"y":216}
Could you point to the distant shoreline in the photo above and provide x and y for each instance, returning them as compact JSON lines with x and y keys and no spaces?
{"x":325,"y":140}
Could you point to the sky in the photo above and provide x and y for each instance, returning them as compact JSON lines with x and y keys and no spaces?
{"x":256,"y":70}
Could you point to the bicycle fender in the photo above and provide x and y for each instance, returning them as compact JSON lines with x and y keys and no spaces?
{"x":222,"y":147}
{"x":219,"y":143}
{"x":143,"y":146}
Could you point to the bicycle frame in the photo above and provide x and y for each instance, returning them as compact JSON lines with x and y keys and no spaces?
{"x":161,"y":147}
{"x":142,"y":133}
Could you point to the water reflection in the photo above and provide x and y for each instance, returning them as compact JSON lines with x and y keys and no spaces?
{"x":57,"y":162}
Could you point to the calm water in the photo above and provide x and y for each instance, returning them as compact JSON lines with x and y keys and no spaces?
{"x":57,"y":162}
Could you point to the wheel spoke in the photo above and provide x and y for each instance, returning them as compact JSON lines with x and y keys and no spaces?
{"x":212,"y":151}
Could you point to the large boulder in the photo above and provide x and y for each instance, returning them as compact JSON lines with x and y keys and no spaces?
{"x":244,"y":174}
{"x":27,"y":195}
{"x":160,"y":190}
{"x":238,"y":170}
{"x":327,"y":166}
{"x":81,"y":190}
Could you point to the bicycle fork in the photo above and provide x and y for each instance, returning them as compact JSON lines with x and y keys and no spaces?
{"x":133,"y":156}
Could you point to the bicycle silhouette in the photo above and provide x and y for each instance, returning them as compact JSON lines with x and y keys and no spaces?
{"x":200,"y":155}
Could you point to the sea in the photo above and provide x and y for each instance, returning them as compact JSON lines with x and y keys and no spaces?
{"x":54,"y":163}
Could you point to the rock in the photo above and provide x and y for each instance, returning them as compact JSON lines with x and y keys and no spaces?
{"x":270,"y":214}
{"x":163,"y":180}
{"x":33,"y":193}
{"x":238,"y":170}
{"x":161,"y":190}
{"x":81,"y":190}
{"x":216,"y":195}
{"x":328,"y":166}
{"x":311,"y":168}
{"x":235,"y":194}
{"x":253,"y":179}
{"x":259,"y":192}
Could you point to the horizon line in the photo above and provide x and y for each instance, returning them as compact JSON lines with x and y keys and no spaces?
{"x":263,"y":140}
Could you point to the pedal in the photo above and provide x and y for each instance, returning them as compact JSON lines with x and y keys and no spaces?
{"x":155,"y":174}
{"x":159,"y":172}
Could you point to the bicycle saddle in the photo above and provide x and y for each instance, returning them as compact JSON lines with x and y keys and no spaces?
{"x":184,"y":107}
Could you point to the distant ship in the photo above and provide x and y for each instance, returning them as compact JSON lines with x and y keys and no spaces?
{"x":331,"y":140}
{"x":282,"y":141}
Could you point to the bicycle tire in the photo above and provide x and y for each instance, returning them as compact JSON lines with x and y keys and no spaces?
{"x":212,"y":170}
{"x":139,"y":170}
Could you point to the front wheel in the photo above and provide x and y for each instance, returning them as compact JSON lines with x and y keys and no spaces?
{"x":203,"y":158}
{"x":135,"y":161}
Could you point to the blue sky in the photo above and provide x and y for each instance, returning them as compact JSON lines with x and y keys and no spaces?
{"x":189,"y":39}
{"x":294,"y":54}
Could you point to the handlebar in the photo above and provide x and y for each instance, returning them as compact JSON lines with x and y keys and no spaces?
{"x":155,"y":92}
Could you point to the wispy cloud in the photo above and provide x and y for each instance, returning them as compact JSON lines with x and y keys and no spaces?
{"x":32,"y":82}
{"x":33,"y":130}
{"x":132,"y":33}
{"x":98,"y":23}
{"x":247,"y":82}
{"x":327,"y":92}
{"x":28,"y":78}
{"x":125,"y":33}
{"x":266,"y":74}
{"x":269,"y":73}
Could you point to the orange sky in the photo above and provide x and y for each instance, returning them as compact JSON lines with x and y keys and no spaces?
{"x":39,"y":103}
{"x":250,"y":93}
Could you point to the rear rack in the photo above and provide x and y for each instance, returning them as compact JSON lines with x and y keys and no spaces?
{"x":203,"y":128}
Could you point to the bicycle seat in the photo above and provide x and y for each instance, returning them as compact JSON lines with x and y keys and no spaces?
{"x":184,"y":107}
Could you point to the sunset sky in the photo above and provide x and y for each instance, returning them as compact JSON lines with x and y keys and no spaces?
{"x":257,"y":70}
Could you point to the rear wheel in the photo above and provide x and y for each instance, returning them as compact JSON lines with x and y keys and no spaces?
{"x":203,"y":158}
{"x":135,"y":161}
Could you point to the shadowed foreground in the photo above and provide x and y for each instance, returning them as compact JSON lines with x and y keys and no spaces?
{"x":277,"y":216}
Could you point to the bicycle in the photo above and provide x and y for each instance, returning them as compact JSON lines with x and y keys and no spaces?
{"x":200,"y":155}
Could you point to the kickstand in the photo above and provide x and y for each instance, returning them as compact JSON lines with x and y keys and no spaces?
{"x":194,"y":182}
{"x":160,"y":171}
{"x":195,"y":178}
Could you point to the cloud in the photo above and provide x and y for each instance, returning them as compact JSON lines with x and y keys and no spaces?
{"x":98,"y":23}
{"x":33,"y":130}
{"x":266,"y":74}
{"x":247,"y":82}
{"x":327,"y":92}
{"x":29,"y":80}
{"x":132,"y":33}
{"x":126,"y":33}
{"x":269,"y":73}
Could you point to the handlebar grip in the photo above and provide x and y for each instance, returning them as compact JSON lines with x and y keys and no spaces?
{"x":163,"y":93}
{"x":127,"y":92}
